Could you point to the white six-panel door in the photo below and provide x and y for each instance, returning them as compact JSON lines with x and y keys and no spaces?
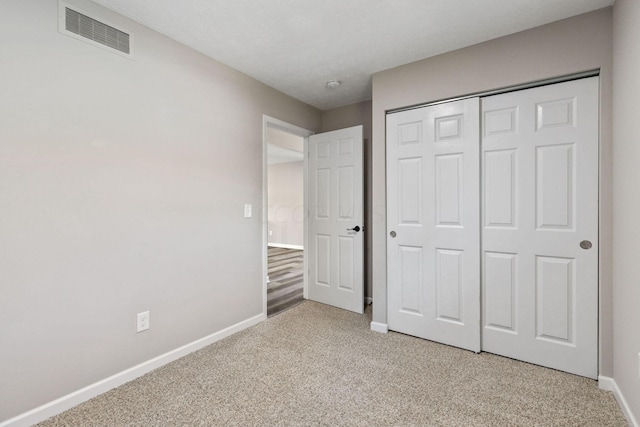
{"x":335,"y":249}
{"x":433,"y":247}
{"x":540,"y":204}
{"x":533,"y":203}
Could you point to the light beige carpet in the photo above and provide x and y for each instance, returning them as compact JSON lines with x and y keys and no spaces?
{"x":315,"y":365}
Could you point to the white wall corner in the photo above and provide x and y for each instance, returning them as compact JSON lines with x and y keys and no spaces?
{"x":379,"y":327}
{"x":606,"y":383}
{"x":77,"y":397}
{"x":609,"y":384}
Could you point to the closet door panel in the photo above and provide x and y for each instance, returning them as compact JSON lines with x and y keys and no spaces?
{"x":433,"y":223}
{"x":540,"y":204}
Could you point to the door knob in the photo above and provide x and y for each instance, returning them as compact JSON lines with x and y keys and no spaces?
{"x":356,"y":228}
{"x":585,"y":244}
{"x":393,"y":234}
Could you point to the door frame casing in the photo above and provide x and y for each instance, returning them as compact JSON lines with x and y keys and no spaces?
{"x":272,"y":122}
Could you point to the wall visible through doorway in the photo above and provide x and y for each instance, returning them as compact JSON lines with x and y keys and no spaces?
{"x":285,"y":189}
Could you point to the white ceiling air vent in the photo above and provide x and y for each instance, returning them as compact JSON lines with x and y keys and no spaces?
{"x":88,"y":29}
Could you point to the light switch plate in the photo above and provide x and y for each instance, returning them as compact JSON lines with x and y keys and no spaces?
{"x":247,"y":211}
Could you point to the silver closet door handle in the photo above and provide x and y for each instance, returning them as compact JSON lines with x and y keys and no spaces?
{"x":392,"y":234}
{"x":585,"y":244}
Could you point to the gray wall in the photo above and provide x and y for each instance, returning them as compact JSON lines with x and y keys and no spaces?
{"x":122,"y":186}
{"x":286,"y":203}
{"x":564,"y":47}
{"x":626,"y":200}
{"x":354,"y":115}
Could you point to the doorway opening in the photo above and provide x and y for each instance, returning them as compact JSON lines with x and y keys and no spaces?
{"x":284,"y":227}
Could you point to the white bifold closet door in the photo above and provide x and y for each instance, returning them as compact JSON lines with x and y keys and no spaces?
{"x":492,"y":210}
{"x":540,"y":225}
{"x":433,"y":247}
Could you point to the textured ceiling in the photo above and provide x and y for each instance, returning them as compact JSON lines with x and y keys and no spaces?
{"x":296,"y":46}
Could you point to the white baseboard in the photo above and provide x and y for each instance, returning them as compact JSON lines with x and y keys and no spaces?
{"x":368,"y":300}
{"x":60,"y":405}
{"x":285,"y":246}
{"x":379,"y":327}
{"x":609,"y":384}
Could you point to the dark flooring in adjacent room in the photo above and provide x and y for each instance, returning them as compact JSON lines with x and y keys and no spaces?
{"x":285,"y":271}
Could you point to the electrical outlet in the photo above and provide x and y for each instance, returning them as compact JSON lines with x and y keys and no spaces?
{"x":143,"y":321}
{"x":247,"y":211}
{"x":270,"y":232}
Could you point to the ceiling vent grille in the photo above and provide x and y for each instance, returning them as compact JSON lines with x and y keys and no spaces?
{"x":96,"y":31}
